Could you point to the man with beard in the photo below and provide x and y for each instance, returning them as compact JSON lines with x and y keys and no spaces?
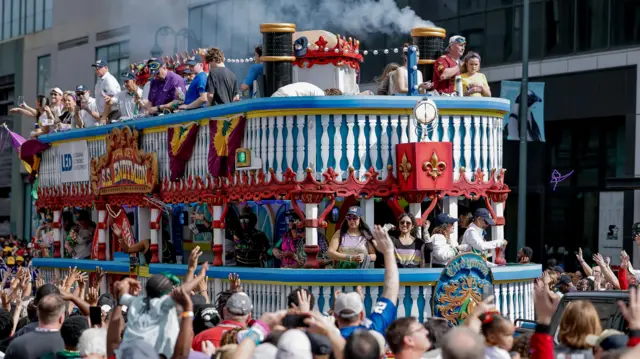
{"x":251,"y":245}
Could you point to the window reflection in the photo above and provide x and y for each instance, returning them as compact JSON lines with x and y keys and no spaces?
{"x":559,"y":26}
{"x":592,"y":17}
{"x":625,"y":30}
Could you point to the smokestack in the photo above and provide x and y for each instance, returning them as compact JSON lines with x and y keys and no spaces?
{"x":277,"y":55}
{"x":430,"y":42}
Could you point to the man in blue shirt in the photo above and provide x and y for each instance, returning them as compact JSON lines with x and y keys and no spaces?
{"x":349,"y":308}
{"x":254,"y":73}
{"x":196,"y":96}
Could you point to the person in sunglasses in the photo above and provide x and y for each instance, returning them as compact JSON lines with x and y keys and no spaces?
{"x":285,"y":249}
{"x":447,"y":66}
{"x":351,"y":246}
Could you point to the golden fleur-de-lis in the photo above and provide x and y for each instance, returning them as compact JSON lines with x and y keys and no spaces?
{"x":405,"y":167}
{"x":433,"y":167}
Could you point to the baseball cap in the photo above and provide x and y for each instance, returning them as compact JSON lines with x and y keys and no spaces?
{"x":457,"y":39}
{"x":348,"y":305}
{"x":205,"y":317}
{"x":320,"y":344}
{"x":564,"y":279}
{"x":81,"y":88}
{"x":484,"y":214}
{"x":294,"y":343}
{"x":99,"y":64}
{"x":154,"y":67}
{"x":106,"y":302}
{"x":354,"y":210}
{"x":444,"y":218}
{"x":11,"y":261}
{"x":127,"y":76}
{"x":45,"y":290}
{"x":609,"y":339}
{"x":194,"y":60}
{"x":557,"y":269}
{"x":7,"y":249}
{"x":56,"y":90}
{"x":19,"y":259}
{"x":138,"y":349}
{"x":239,"y":304}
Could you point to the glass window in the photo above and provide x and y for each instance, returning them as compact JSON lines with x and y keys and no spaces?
{"x":209,"y":24}
{"x":6,"y":33}
{"x":471,"y":6}
{"x":116,"y":55}
{"x":439,"y":10}
{"x":500,"y":36}
{"x":592,"y":18}
{"x":48,"y":13}
{"x":625,"y":29}
{"x":223,"y":37}
{"x":15,"y":18}
{"x":473,"y":28}
{"x":373,"y":64}
{"x":195,"y":25}
{"x":559,"y":26}
{"x":39,"y":15}
{"x":44,"y":74}
{"x":498,"y":3}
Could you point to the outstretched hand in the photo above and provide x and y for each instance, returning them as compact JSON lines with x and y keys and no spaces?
{"x":381,"y":240}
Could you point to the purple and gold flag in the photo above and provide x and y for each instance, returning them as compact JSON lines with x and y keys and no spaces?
{"x":182,"y":138}
{"x":226,"y":138}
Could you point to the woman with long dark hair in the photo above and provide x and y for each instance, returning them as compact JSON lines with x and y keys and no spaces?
{"x":444,"y":246}
{"x":351,"y":246}
{"x":409,"y":248}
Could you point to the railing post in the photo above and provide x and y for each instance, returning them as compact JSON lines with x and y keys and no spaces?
{"x":497,"y":232}
{"x":218,"y":237}
{"x":57,"y":219}
{"x":450,"y":207}
{"x":155,"y":223}
{"x":102,"y":232}
{"x":144,"y":224}
{"x":311,"y":230}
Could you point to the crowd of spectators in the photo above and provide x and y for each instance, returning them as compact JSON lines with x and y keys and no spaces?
{"x":75,"y":317}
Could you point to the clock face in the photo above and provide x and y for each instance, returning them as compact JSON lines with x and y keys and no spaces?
{"x":425,"y":111}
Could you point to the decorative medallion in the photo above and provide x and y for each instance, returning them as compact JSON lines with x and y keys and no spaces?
{"x":434,"y":168}
{"x":405,"y":167}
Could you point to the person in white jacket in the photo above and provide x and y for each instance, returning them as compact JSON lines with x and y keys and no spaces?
{"x":445,"y":246}
{"x":473,"y":238}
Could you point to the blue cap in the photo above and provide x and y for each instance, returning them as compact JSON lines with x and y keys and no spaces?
{"x":354,"y":210}
{"x":444,"y":218}
{"x":194,"y":60}
{"x":100,"y":64}
{"x":300,"y":46}
{"x":154,"y":67}
{"x":486,"y":215}
{"x":186,"y":71}
{"x":81,"y":88}
{"x":128,"y":76}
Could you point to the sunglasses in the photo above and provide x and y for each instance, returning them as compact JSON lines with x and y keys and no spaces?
{"x":244,"y":220}
{"x":460,"y":40}
{"x":352,"y":218}
{"x":406,"y":223}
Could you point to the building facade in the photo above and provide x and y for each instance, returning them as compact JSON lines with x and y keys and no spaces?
{"x":56,"y":49}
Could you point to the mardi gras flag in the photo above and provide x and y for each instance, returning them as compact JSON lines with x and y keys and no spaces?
{"x":226,"y":137}
{"x":182,"y":138}
{"x":17,"y":141}
{"x":31,"y":153}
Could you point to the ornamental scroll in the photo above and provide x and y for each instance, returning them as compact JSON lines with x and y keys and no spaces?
{"x":460,"y":288}
{"x":182,"y":139}
{"x":125,"y":168}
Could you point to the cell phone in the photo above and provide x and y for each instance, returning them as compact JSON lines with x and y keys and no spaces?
{"x":487,"y":291}
{"x":292,"y":321}
{"x":95,"y":317}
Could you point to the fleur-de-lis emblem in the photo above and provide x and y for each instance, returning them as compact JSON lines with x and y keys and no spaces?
{"x":405,"y":167}
{"x":433,"y":167}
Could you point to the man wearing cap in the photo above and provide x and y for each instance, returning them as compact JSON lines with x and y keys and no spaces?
{"x":128,"y":99}
{"x":447,"y":66}
{"x":106,"y":83}
{"x":164,"y":87}
{"x":349,"y":308}
{"x":88,"y":110}
{"x":196,"y":96}
{"x":473,"y":238}
{"x":236,"y":314}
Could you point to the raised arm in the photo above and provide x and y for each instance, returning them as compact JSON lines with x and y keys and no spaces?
{"x":193,"y":283}
{"x":383,"y":244}
{"x":583,"y":264}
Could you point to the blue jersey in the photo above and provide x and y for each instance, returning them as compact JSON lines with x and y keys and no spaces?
{"x":383,"y":314}
{"x":196,"y":87}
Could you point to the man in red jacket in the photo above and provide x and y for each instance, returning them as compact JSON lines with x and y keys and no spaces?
{"x":236,"y":314}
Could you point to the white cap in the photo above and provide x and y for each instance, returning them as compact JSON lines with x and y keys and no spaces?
{"x":348,"y":305}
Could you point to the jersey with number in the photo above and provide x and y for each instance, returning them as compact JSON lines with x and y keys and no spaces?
{"x":381,"y":317}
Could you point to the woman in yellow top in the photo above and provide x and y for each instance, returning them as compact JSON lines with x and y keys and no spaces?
{"x":474,"y":82}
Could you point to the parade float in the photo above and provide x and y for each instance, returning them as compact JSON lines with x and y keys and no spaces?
{"x":316,"y":156}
